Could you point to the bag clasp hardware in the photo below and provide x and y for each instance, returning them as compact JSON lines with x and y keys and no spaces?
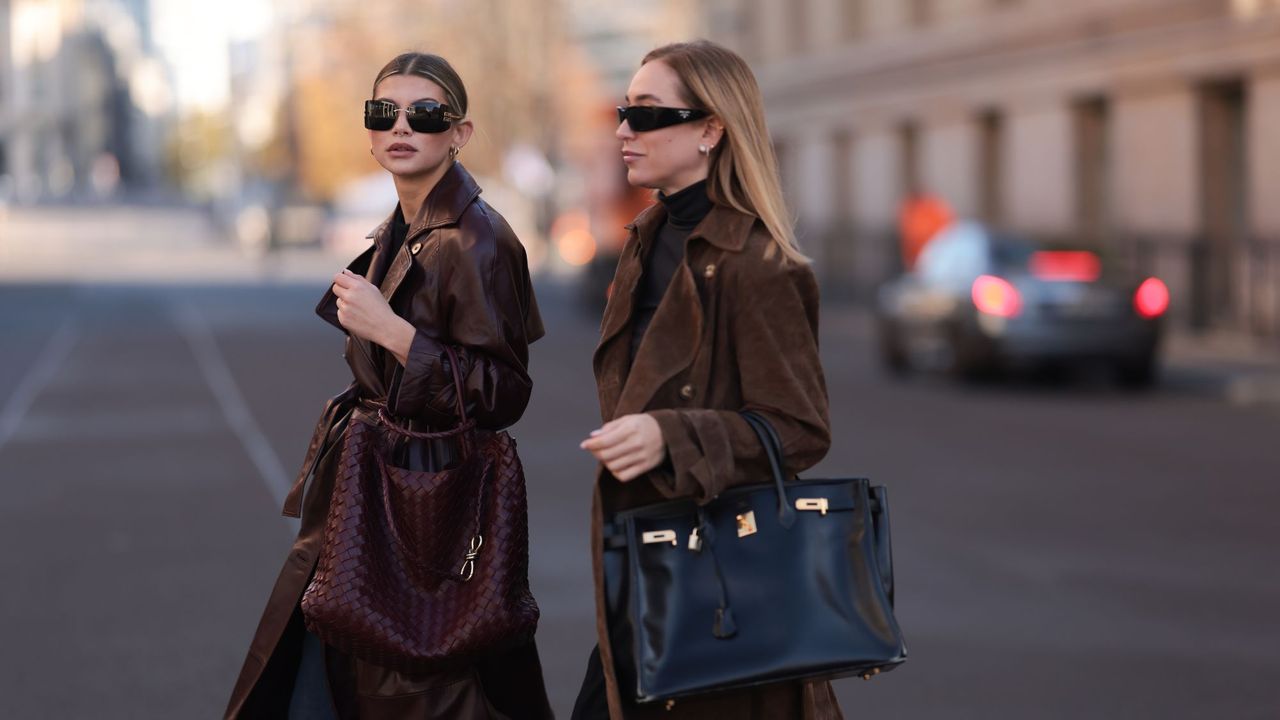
{"x":468,"y":569}
{"x":695,"y":541}
{"x":659,"y":536}
{"x":819,"y":504}
{"x":747,"y":524}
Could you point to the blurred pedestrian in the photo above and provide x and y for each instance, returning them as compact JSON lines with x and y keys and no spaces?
{"x":445,"y":277}
{"x":920,"y":218}
{"x":714,"y":311}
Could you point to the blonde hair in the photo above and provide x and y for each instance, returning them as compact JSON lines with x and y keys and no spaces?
{"x":744,"y":168}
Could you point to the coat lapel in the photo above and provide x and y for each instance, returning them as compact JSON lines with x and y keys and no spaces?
{"x":669,"y":344}
{"x":612,"y":357}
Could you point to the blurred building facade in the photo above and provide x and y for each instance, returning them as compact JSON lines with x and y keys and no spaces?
{"x":1148,"y":129}
{"x":80,"y":96}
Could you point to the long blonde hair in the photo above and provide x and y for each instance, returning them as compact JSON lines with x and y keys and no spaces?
{"x":744,"y":168}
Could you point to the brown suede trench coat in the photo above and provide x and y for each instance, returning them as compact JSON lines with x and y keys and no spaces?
{"x":737,"y":329}
{"x":461,"y":277}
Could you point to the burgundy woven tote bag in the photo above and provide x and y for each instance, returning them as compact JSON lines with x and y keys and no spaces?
{"x":424,"y":570}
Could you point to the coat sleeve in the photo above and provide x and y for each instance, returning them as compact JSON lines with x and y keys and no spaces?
{"x":485,"y":298}
{"x":774,"y":321}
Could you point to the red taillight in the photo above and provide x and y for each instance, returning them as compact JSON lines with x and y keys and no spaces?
{"x":1152,"y":298}
{"x":1069,"y":266}
{"x":996,"y":296}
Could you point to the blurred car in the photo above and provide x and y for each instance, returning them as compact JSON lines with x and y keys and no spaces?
{"x":978,"y":302}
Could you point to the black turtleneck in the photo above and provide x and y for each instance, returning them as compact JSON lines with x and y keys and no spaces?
{"x":685,"y":209}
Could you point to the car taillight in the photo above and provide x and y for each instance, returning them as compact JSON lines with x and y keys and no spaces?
{"x":1152,"y":298}
{"x":996,"y":296}
{"x":1067,"y":266}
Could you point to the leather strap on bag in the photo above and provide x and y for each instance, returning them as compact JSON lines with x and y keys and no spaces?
{"x":773,"y":449}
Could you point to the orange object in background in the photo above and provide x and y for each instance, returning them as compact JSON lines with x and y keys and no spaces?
{"x":921,"y":218}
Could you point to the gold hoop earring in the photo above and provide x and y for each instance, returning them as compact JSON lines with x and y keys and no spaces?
{"x":453,"y":152}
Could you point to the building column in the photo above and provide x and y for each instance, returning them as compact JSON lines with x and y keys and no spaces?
{"x":1263,"y":180}
{"x":1156,"y":203}
{"x":1039,"y":192}
{"x":877,"y":193}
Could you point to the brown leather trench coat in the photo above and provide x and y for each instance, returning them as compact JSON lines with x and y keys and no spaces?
{"x":737,"y":329}
{"x":461,"y":277}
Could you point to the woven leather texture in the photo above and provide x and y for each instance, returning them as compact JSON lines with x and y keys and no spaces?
{"x":389,"y":588}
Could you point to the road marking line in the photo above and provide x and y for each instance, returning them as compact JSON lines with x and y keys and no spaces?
{"x":41,"y":373}
{"x":195,"y":329}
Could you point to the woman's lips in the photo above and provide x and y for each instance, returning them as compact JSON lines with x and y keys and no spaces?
{"x":628,"y":156}
{"x":401,"y":150}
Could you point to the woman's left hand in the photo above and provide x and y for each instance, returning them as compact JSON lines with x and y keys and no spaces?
{"x":365,"y":313}
{"x":629,"y":446}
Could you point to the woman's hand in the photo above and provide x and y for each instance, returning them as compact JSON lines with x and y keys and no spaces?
{"x":629,"y":446}
{"x":365,"y":313}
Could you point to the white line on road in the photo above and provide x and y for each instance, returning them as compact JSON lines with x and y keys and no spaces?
{"x":42,"y":371}
{"x":223,"y":385}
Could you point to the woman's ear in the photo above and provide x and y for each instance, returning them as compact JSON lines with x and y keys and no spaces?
{"x":462,"y":132}
{"x":713,"y":133}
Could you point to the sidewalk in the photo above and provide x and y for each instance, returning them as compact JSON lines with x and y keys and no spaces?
{"x":1241,"y":369}
{"x":147,"y":245}
{"x":1231,"y":366}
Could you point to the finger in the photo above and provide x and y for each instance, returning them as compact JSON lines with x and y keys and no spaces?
{"x":610,"y":433}
{"x":631,"y":472}
{"x":625,"y":462}
{"x":614,"y":452}
{"x":601,"y":443}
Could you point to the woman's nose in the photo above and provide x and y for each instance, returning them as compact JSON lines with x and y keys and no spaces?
{"x":624,"y":131}
{"x":402,"y":124}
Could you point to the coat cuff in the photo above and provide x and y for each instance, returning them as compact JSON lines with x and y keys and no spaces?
{"x":699,"y":454}
{"x":415,"y":385}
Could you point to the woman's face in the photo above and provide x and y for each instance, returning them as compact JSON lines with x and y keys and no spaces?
{"x":668,"y":158}
{"x":401,"y":150}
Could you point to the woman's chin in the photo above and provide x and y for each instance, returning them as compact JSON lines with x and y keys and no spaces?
{"x":411,"y":167}
{"x":640,"y":179}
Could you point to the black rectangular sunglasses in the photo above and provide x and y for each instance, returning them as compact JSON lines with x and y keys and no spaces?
{"x":427,"y":116}
{"x":643,"y":118}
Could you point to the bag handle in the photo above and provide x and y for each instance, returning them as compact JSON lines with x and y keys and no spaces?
{"x":773,"y":449}
{"x":465,"y":424}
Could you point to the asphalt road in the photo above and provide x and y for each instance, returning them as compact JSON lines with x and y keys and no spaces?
{"x":1062,"y":550}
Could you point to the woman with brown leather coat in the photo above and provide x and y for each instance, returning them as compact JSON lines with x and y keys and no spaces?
{"x":443,"y":269}
{"x":713,"y":311}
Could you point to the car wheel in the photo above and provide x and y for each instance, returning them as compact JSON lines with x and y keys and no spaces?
{"x":893,"y":356}
{"x":1137,"y":373}
{"x":967,"y":362}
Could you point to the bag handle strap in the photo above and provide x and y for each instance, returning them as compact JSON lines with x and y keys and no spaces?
{"x":773,"y":449}
{"x":465,"y":424}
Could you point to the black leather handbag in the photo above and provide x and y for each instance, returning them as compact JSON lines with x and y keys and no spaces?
{"x":780,"y":581}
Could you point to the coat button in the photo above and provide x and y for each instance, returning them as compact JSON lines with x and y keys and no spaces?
{"x":686,"y":392}
{"x":709,"y":272}
{"x":414,"y":248}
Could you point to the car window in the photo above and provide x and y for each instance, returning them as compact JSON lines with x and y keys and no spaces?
{"x":955,"y":257}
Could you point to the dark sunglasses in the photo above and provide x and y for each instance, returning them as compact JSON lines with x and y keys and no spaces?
{"x":643,"y":118}
{"x":428,"y":116}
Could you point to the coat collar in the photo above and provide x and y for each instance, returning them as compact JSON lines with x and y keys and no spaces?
{"x":446,"y":201}
{"x":723,"y":227}
{"x":626,"y":387}
{"x":444,"y":206}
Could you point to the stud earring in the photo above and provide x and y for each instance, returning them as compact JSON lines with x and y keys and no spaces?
{"x":703,"y":149}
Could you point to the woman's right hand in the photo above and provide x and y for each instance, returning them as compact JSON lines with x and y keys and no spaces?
{"x":628,"y":446}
